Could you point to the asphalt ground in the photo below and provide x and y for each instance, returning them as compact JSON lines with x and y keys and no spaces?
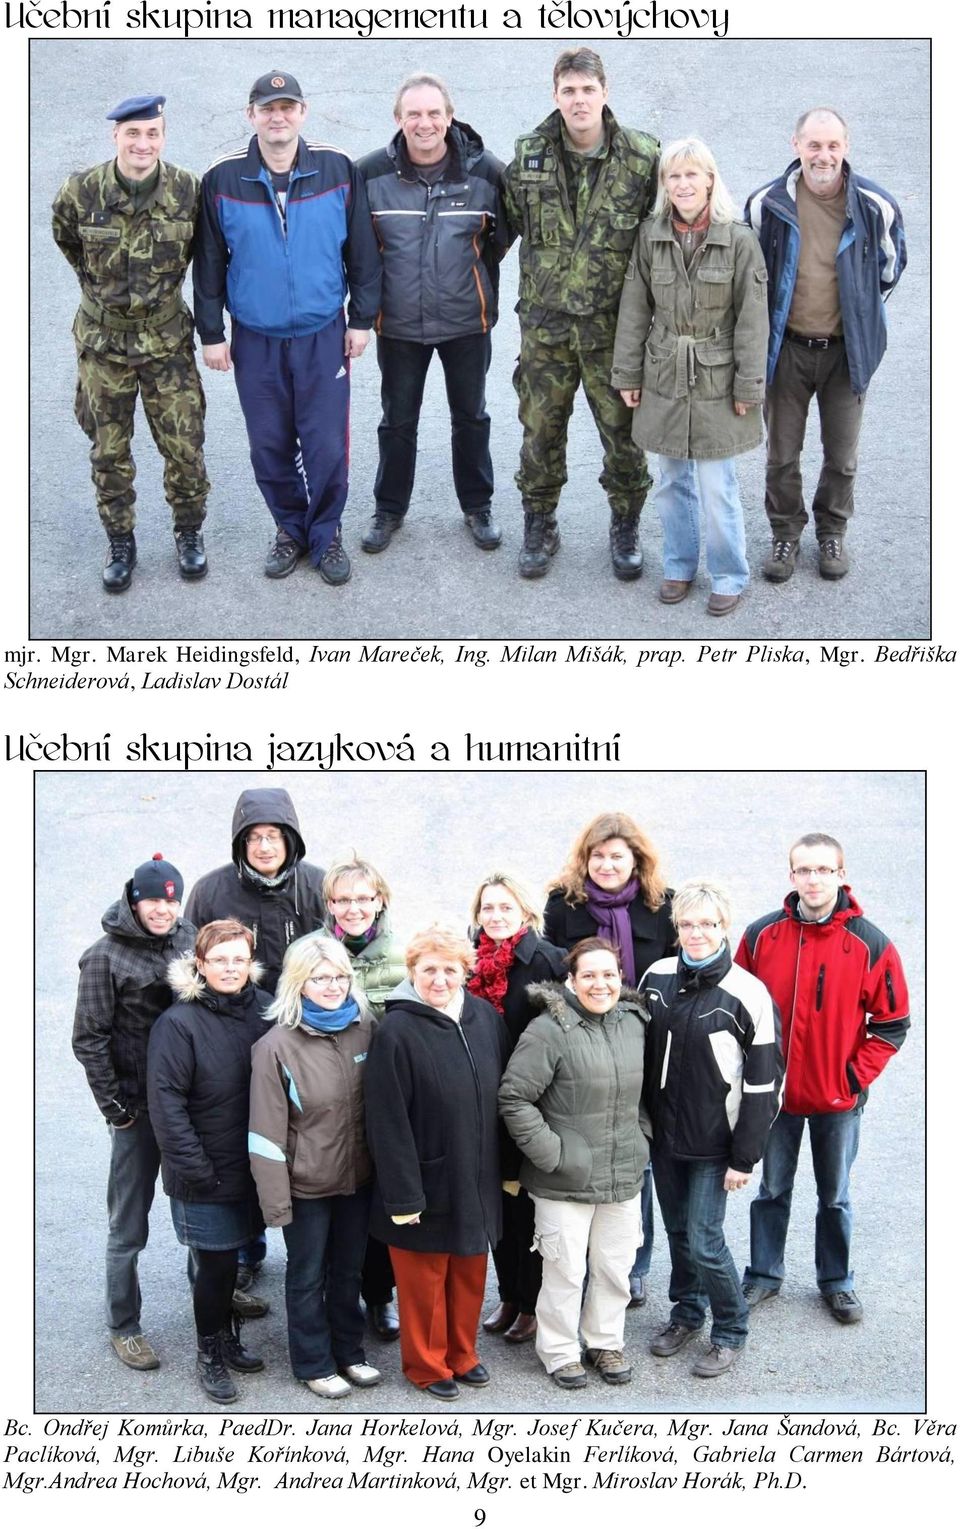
{"x":435,"y":837}
{"x":742,"y":97}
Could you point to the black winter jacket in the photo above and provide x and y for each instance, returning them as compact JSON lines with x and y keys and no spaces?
{"x":535,"y":960}
{"x":714,"y":1066}
{"x":442,"y":243}
{"x":431,"y":1101}
{"x":653,"y":934}
{"x":123,"y":989}
{"x":277,"y":915}
{"x":198,"y":1085}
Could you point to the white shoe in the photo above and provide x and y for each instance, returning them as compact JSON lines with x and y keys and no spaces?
{"x":362,"y":1374}
{"x":330,"y":1386}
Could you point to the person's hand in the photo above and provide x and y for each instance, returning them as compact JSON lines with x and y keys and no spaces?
{"x":217,"y":357}
{"x":355,"y":343}
{"x":631,"y":397}
{"x":511,"y":1187}
{"x":734,"y":1179}
{"x":741,"y":408}
{"x":413,"y":1220}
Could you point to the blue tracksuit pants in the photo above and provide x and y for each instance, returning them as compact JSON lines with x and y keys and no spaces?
{"x":295,"y":397}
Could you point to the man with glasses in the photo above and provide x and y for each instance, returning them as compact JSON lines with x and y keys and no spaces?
{"x":840,"y":988}
{"x":271,"y":888}
{"x":123,"y":990}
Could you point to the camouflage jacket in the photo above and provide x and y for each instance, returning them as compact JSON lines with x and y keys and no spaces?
{"x":565,"y":269}
{"x":130,"y":265}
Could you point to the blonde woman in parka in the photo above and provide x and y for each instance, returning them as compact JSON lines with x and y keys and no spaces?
{"x":689,"y":358}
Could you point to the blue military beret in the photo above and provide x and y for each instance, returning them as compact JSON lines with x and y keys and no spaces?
{"x":138,"y":109}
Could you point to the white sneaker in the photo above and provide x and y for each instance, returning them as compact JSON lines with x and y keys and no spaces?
{"x":330,"y":1386}
{"x":362,"y":1374}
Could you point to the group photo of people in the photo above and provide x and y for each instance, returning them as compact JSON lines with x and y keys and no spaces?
{"x":721,"y":317}
{"x":488,"y":1091}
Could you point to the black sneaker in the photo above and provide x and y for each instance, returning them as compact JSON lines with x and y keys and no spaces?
{"x":541,"y":538}
{"x":626,"y":554}
{"x":380,"y":531}
{"x":283,"y":557}
{"x":191,"y":557}
{"x":753,"y":1293}
{"x":335,"y":565}
{"x":121,"y":561}
{"x":484,"y":530}
{"x":248,"y":1305}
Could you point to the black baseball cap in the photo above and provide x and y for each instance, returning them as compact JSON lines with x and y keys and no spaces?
{"x":275,"y":86}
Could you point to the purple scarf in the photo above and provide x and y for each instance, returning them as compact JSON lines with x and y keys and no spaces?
{"x":610,"y":912}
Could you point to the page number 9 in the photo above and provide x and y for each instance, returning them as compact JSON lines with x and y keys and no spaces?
{"x":479,"y":1517}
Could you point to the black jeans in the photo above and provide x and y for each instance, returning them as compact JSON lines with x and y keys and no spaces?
{"x":326,"y":1241}
{"x":403,"y":373}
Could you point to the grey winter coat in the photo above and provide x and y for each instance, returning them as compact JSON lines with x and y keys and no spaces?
{"x":694,"y":342}
{"x":571,"y":1099}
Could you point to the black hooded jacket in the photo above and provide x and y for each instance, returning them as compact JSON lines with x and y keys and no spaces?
{"x":277,"y":915}
{"x":123,"y":988}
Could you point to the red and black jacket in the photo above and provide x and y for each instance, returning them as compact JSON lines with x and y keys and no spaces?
{"x":842,"y":997}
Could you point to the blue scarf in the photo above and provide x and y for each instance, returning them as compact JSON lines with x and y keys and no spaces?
{"x":695,"y":966}
{"x":328,"y":1021}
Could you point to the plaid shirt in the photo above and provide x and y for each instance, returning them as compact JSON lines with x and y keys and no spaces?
{"x":123,"y":989}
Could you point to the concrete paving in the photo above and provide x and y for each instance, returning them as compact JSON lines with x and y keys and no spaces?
{"x":425,"y":833}
{"x":741,"y":96}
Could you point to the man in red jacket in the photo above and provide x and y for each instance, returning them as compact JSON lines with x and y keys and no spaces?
{"x":840,"y":988}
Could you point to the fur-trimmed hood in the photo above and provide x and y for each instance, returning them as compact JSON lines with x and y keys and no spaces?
{"x":187,"y":983}
{"x":554,"y":998}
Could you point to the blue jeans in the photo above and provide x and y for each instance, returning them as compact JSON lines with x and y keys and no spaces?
{"x":834,"y":1140}
{"x":641,"y":1264}
{"x":403,"y":373}
{"x":679,"y":509}
{"x":693,"y":1203}
{"x":326,"y":1241}
{"x":134,"y":1165}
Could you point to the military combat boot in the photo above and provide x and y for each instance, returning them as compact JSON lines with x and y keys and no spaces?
{"x":121,"y":561}
{"x":191,"y":557}
{"x":541,"y":538}
{"x":626,"y":554}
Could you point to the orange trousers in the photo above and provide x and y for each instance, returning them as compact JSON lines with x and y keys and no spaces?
{"x":440,"y":1297}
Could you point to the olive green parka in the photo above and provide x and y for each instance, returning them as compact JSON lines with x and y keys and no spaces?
{"x":694,"y":341}
{"x":571,"y":1099}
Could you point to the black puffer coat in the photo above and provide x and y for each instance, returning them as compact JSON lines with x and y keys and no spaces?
{"x":277,"y":915}
{"x":198,"y":1086}
{"x":431,"y":1099}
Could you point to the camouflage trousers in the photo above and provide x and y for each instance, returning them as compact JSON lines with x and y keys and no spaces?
{"x":548,"y":372}
{"x":173,"y":401}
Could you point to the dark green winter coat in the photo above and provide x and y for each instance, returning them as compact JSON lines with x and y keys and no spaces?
{"x":565,"y":268}
{"x":571,"y":1099}
{"x":694,"y":341}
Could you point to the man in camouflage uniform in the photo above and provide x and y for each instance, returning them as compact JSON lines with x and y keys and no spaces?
{"x":576,"y":192}
{"x":127,"y":229}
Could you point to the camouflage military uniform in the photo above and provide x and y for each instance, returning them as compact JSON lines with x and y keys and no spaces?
{"x":578,"y":227}
{"x":134,"y":333}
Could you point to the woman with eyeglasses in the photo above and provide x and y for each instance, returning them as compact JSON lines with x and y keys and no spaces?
{"x":358,"y":915}
{"x":309,"y":1157}
{"x":198,"y":1089}
{"x":613,"y":888}
{"x":713,"y":1072}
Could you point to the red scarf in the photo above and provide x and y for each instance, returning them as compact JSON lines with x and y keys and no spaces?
{"x":489,"y":978}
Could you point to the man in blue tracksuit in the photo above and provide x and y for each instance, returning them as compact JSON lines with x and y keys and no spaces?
{"x":834,"y":248}
{"x":284,"y":233}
